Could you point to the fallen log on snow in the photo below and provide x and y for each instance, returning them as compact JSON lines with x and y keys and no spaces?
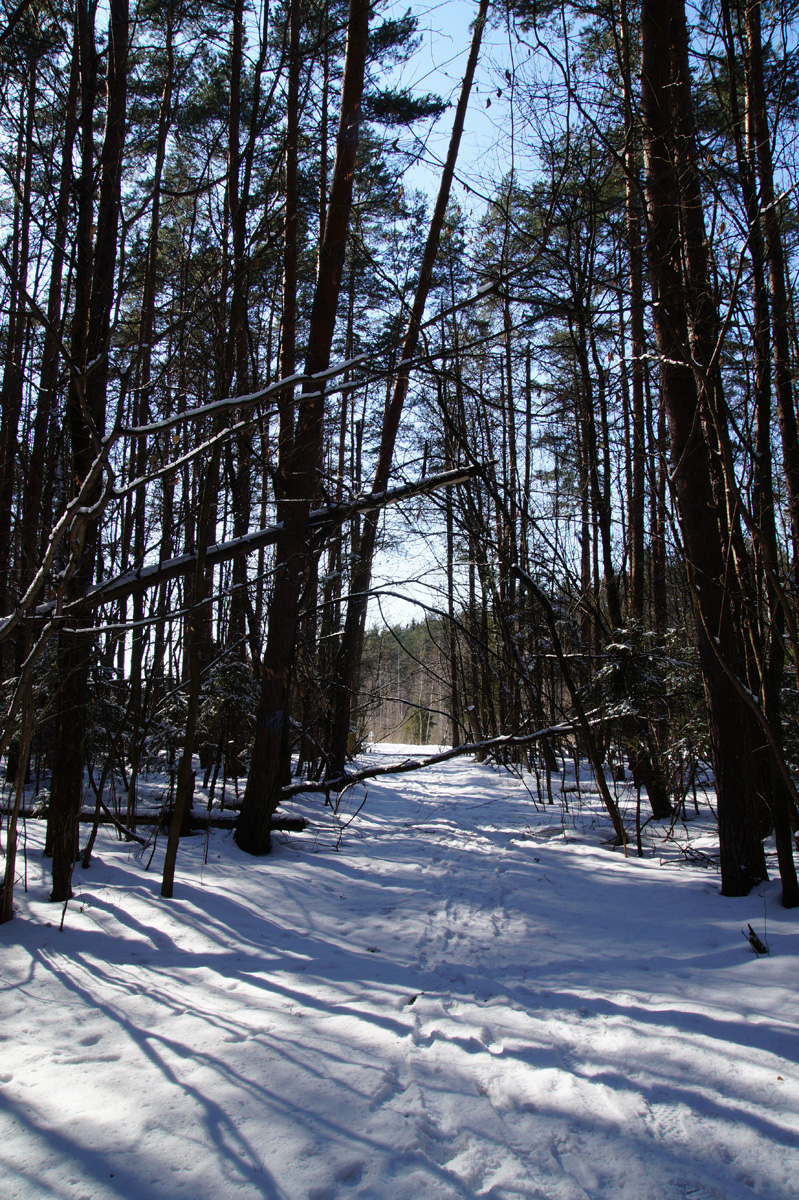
{"x":285,"y":824}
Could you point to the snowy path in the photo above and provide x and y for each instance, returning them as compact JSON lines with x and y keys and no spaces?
{"x":460,"y":1003}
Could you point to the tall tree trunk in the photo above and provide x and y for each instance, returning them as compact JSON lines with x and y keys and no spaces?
{"x":769,"y":683}
{"x":270,"y":758}
{"x":141,"y":415}
{"x":658,"y":473}
{"x":636,"y":529}
{"x":238,"y":184}
{"x":601,"y":486}
{"x":195,"y":635}
{"x":676,"y":247}
{"x":86,"y":408}
{"x":33,"y":486}
{"x":11,"y":394}
{"x":288,"y":331}
{"x":637,"y":349}
{"x":770,"y":214}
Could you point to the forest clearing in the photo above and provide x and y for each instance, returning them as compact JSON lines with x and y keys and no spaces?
{"x":467,"y":993}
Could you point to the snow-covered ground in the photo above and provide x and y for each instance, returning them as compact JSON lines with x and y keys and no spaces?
{"x":470,"y":998}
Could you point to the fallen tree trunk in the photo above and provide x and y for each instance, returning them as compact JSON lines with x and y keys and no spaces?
{"x":288,"y":824}
{"x":321,"y":521}
{"x":348,"y":778}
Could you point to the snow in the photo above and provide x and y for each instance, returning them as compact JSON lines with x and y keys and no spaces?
{"x":471,"y":997}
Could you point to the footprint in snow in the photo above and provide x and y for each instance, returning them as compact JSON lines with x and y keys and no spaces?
{"x":493,"y":1045}
{"x":386,"y":1088}
{"x":349,"y":1173}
